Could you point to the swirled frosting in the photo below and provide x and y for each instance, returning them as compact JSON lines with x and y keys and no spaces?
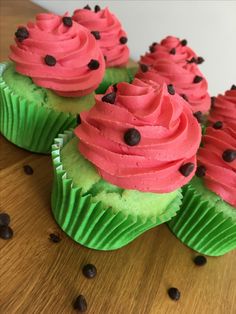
{"x":170,"y":137}
{"x":110,"y":33}
{"x":220,"y":175}
{"x":183,"y":79}
{"x":72,"y":47}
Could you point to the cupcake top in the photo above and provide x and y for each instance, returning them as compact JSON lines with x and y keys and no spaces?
{"x":141,"y":136}
{"x":224,"y":110}
{"x":107,"y":30}
{"x":217,"y":162}
{"x":59,"y":54}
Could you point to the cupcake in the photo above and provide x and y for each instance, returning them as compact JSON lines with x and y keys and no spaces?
{"x":56,"y":66}
{"x":112,"y":39}
{"x":207,"y":219}
{"x":122,"y":172}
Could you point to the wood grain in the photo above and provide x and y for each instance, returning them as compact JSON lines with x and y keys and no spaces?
{"x":38,"y":276}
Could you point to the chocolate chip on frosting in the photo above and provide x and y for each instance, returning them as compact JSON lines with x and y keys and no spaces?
{"x":213,"y":101}
{"x":97,"y":8}
{"x":218,"y":125}
{"x":123,"y":40}
{"x":110,"y":98}
{"x":173,"y":51}
{"x":233,"y":87}
{"x":229,"y":155}
{"x":143,"y":67}
{"x":197,"y":79}
{"x":87,"y":7}
{"x":78,"y":119}
{"x":93,"y":64}
{"x":183,"y":42}
{"x":200,"y":60}
{"x":96,"y":34}
{"x":201,"y":171}
{"x":184,"y":97}
{"x":132,"y":137}
{"x":192,"y":60}
{"x":152,"y":47}
{"x":170,"y":89}
{"x":114,"y":87}
{"x":199,"y":116}
{"x":22,"y":33}
{"x":186,"y":169}
{"x":67,"y":21}
{"x":50,"y":60}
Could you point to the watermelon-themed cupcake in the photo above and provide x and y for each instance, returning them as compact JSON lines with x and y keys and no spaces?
{"x":56,"y":66}
{"x":112,"y":39}
{"x":122,"y":172}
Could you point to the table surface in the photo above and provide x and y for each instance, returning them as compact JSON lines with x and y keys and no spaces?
{"x":39,"y":276}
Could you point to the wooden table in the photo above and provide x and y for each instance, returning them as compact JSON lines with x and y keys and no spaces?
{"x":39,"y":276}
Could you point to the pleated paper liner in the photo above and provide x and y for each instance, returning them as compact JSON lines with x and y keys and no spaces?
{"x":202,"y":227}
{"x":91,"y":223}
{"x":27,"y":124}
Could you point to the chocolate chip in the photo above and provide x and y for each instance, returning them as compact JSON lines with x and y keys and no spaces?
{"x":218,"y":125}
{"x":114,"y":87}
{"x":110,"y":98}
{"x":96,"y":34}
{"x":93,"y":64}
{"x":87,"y":7}
{"x":200,"y":260}
{"x":170,"y":89}
{"x":186,"y":169}
{"x":199,"y":116}
{"x":184,"y":97}
{"x":201,"y":171}
{"x":28,"y":169}
{"x":229,"y":155}
{"x":6,"y":232}
{"x":173,"y":51}
{"x":78,"y":119}
{"x":132,"y":137}
{"x":4,"y":219}
{"x":233,"y":87}
{"x":105,"y":58}
{"x":50,"y":60}
{"x":80,"y":304}
{"x":174,"y":293}
{"x":183,"y":42}
{"x":143,"y":67}
{"x":54,"y":238}
{"x":22,"y":33}
{"x":123,"y":40}
{"x":89,"y":271}
{"x":213,"y":101}
{"x":192,"y":60}
{"x":152,"y":48}
{"x":97,"y":8}
{"x":200,"y":60}
{"x":197,"y":79}
{"x":67,"y":21}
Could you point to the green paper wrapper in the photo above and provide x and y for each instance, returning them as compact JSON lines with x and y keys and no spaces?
{"x":201,"y":227}
{"x":89,"y":223}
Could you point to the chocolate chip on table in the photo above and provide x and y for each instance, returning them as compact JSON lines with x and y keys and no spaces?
{"x":78,"y":119}
{"x":109,"y":98}
{"x":6,"y":232}
{"x":174,"y":293}
{"x":50,"y":60}
{"x":80,"y":304}
{"x":123,"y":40}
{"x":93,"y":64}
{"x":233,"y":87}
{"x":54,"y":238}
{"x":89,"y":271}
{"x":229,"y":155}
{"x":184,"y":97}
{"x":197,"y":79}
{"x":200,"y":260}
{"x":218,"y":125}
{"x":186,"y":169}
{"x":200,"y":60}
{"x":183,"y":42}
{"x":170,"y":89}
{"x":201,"y":171}
{"x":132,"y":137}
{"x":96,"y":34}
{"x":173,"y":51}
{"x":87,"y":7}
{"x":4,"y":219}
{"x":22,"y":33}
{"x":67,"y":21}
{"x":97,"y":8}
{"x":143,"y":67}
{"x":199,"y":116}
{"x":28,"y":169}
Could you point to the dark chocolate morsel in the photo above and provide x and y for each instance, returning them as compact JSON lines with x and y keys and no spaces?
{"x":4,"y":219}
{"x":87,"y":7}
{"x":143,"y":67}
{"x":132,"y":137}
{"x":110,"y":98}
{"x":67,"y":21}
{"x":186,"y":169}
{"x":184,"y":97}
{"x":170,"y":89}
{"x":233,"y":87}
{"x":6,"y":232}
{"x":96,"y":34}
{"x":105,"y":58}
{"x":199,"y":116}
{"x":173,"y":51}
{"x":201,"y":171}
{"x":28,"y":169}
{"x":192,"y":60}
{"x":80,"y":304}
{"x":50,"y":60}
{"x":22,"y":33}
{"x":229,"y":155}
{"x":183,"y":42}
{"x":93,"y":64}
{"x":123,"y":40}
{"x":213,"y":101}
{"x":200,"y":60}
{"x":218,"y":125}
{"x":78,"y":119}
{"x":152,"y":48}
{"x":54,"y":238}
{"x":200,"y":260}
{"x":97,"y":8}
{"x":114,"y":87}
{"x":89,"y":271}
{"x":174,"y":293}
{"x":197,"y":79}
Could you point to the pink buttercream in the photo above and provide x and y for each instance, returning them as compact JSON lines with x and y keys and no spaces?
{"x":72,"y":47}
{"x":110,"y":31}
{"x":170,"y":137}
{"x":220,"y":175}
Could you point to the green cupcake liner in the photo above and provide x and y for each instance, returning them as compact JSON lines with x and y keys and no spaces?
{"x":90,"y":223}
{"x":201,"y":227}
{"x":27,"y":124}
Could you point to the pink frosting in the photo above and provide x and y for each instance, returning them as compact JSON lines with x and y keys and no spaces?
{"x":72,"y":47}
{"x":220,"y":175}
{"x":182,"y":77}
{"x":110,"y":31}
{"x":170,"y":137}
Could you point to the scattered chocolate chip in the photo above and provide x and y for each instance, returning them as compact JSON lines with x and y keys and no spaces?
{"x":6,"y":232}
{"x":97,"y":8}
{"x":200,"y":60}
{"x":22,"y":33}
{"x":114,"y":87}
{"x":54,"y":238}
{"x":123,"y":40}
{"x":174,"y":294}
{"x":89,"y":271}
{"x":132,"y":137}
{"x":218,"y":125}
{"x":50,"y":60}
{"x":200,"y":260}
{"x":78,"y":119}
{"x":80,"y":304}
{"x":197,"y":79}
{"x":233,"y":87}
{"x":199,"y":116}
{"x":186,"y":169}
{"x":173,"y":51}
{"x":96,"y":34}
{"x":28,"y":169}
{"x":93,"y":64}
{"x":170,"y":89}
{"x":87,"y":7}
{"x":201,"y":171}
{"x":192,"y":60}
{"x":213,"y":101}
{"x":184,"y":97}
{"x":183,"y":42}
{"x":4,"y":219}
{"x":67,"y":21}
{"x":143,"y":67}
{"x":110,"y":98}
{"x":229,"y":155}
